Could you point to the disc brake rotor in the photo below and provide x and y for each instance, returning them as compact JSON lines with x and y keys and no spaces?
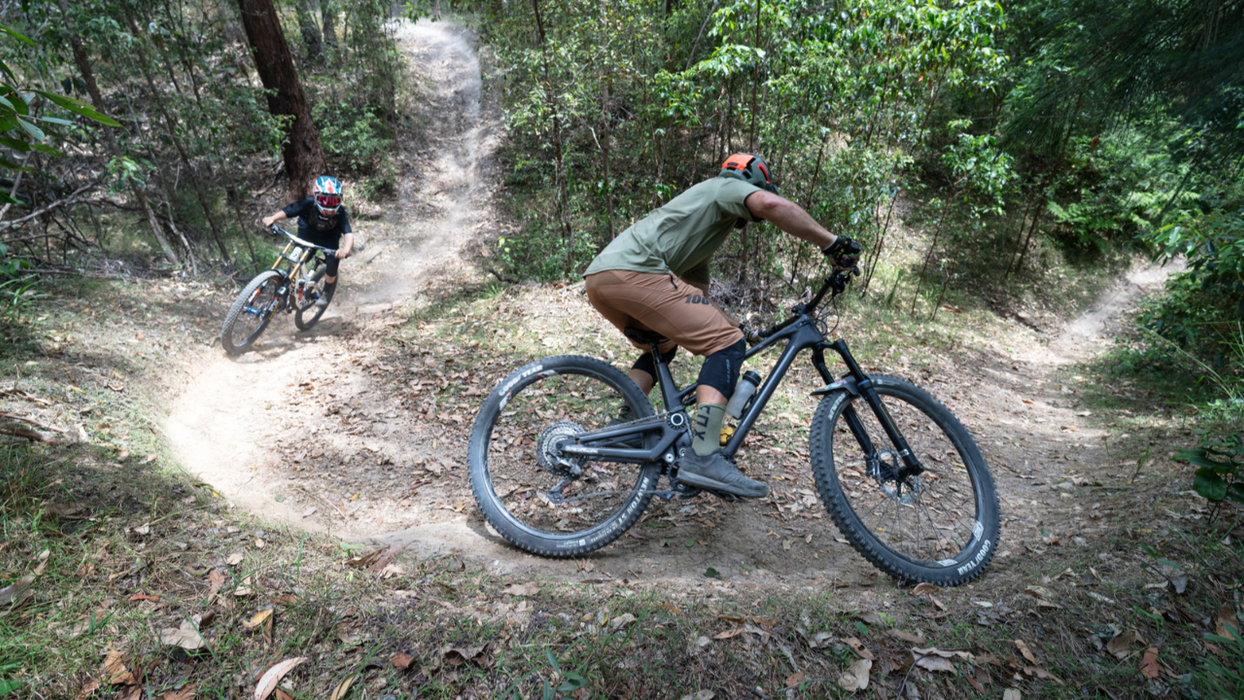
{"x":884,"y":468}
{"x":549,"y":453}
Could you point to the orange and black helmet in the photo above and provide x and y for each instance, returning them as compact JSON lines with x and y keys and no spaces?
{"x":749,"y":168}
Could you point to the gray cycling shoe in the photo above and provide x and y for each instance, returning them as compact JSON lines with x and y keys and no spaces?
{"x":716,"y":473}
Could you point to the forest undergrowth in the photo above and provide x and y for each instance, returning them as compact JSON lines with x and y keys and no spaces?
{"x":124,"y":577}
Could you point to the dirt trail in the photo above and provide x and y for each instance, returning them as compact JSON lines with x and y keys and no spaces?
{"x":311,"y":430}
{"x":223,"y":425}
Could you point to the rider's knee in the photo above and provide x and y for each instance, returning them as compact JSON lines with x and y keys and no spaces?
{"x":721,"y":369}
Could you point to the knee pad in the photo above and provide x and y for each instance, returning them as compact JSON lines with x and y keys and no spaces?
{"x":646,"y":363}
{"x":721,"y":369}
{"x":330,"y":268}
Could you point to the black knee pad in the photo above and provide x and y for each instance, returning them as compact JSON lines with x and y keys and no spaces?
{"x":721,"y":369}
{"x":646,"y":363}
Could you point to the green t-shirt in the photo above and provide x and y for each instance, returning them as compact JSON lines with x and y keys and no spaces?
{"x":680,"y":237}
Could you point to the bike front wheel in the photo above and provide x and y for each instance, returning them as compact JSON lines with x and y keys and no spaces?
{"x":534,"y":496}
{"x":251,"y":312}
{"x":940,"y":526}
{"x":308,"y":314}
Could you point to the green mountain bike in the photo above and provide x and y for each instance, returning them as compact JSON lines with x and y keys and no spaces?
{"x":904,"y":482}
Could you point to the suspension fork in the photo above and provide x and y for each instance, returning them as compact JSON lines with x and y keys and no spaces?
{"x":911,"y":466}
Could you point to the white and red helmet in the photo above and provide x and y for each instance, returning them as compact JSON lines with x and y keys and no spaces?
{"x":327,"y":193}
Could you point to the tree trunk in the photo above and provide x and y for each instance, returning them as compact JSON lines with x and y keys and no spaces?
{"x":304,"y":160}
{"x":328,"y":22}
{"x":559,"y":172}
{"x":311,"y":37}
{"x":88,"y":76}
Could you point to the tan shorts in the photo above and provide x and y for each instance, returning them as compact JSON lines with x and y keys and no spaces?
{"x":665,"y":304}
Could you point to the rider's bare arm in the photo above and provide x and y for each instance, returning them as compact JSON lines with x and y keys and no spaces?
{"x":789,"y":217}
{"x":269,"y":220}
{"x":347,"y":244}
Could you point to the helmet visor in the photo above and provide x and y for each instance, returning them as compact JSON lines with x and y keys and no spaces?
{"x":328,"y":201}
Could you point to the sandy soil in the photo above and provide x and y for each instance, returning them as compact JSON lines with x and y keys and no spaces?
{"x":310,"y":430}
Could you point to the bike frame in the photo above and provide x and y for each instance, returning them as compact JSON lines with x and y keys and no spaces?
{"x":296,"y":262}
{"x":800,"y":332}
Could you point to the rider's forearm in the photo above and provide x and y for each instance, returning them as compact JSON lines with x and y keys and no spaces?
{"x":347,"y":243}
{"x":789,"y":217}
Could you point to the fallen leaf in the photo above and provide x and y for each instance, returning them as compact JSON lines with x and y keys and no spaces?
{"x":17,"y":593}
{"x":114,"y":670}
{"x":856,"y":675}
{"x":858,"y":647}
{"x":364,"y":560}
{"x":1226,"y":616}
{"x":729,"y":633}
{"x":702,"y":695}
{"x":186,"y":692}
{"x":267,"y":682}
{"x":257,"y":619}
{"x":794,"y":679}
{"x":524,"y":589}
{"x":217,"y":579}
{"x":143,"y":596}
{"x":281,"y":694}
{"x":1119,"y":646}
{"x":1023,"y":649}
{"x":926,"y":588}
{"x":343,"y":688}
{"x":186,"y":636}
{"x":1149,"y":666}
{"x":89,"y":687}
{"x":870,"y":618}
{"x":401,"y":660}
{"x":621,"y":621}
{"x":1041,"y":673}
{"x":907,"y":637}
{"x":932,"y":659}
{"x":1011,"y":694}
{"x":235,"y":558}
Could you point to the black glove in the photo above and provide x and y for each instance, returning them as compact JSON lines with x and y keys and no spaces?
{"x":844,"y":252}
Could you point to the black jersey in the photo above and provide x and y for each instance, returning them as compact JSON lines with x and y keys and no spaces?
{"x":317,"y":228}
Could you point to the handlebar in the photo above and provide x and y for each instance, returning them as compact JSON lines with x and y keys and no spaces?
{"x":278,"y":231}
{"x":835,"y":282}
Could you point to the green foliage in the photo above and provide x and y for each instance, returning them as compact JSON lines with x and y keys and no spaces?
{"x":1224,"y":678}
{"x":609,"y":126}
{"x":353,"y":138}
{"x":1204,"y":307}
{"x":1218,"y":462}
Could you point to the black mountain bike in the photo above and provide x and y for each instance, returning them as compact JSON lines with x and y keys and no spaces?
{"x":293,"y":285}
{"x":901,"y":477}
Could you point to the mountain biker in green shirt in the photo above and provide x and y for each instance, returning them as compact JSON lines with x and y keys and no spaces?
{"x":655,"y":276}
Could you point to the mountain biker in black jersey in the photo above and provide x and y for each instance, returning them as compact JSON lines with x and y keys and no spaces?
{"x":655,"y":276}
{"x":322,"y":220}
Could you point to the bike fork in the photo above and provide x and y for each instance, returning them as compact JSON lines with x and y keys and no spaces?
{"x":911,"y":467}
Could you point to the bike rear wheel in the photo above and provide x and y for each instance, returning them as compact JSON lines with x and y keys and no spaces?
{"x":524,"y":486}
{"x":251,"y":312}
{"x":941,"y":526}
{"x":308,"y":314}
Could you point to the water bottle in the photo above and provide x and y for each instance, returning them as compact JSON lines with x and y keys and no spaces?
{"x":743,"y":393}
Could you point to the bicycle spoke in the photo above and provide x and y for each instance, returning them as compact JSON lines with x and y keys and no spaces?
{"x":534,"y":482}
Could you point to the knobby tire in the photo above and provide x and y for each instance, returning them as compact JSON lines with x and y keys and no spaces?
{"x":532,"y":411}
{"x":944,"y":532}
{"x":264,"y":290}
{"x":308,"y":314}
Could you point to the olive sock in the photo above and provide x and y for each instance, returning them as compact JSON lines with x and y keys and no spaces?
{"x":626,"y":415}
{"x":329,"y":288}
{"x":706,"y":431}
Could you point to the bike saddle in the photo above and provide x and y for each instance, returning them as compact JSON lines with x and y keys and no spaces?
{"x":644,"y":336}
